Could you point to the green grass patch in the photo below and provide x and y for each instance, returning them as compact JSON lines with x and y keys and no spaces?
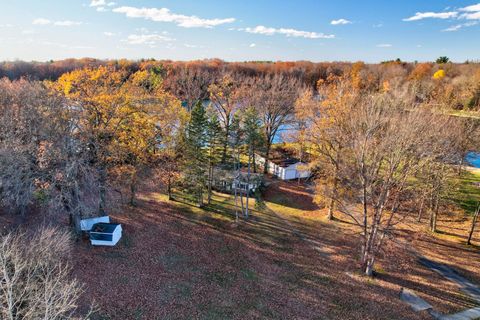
{"x":467,"y":194}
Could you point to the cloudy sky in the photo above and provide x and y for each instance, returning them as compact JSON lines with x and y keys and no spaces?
{"x":314,"y":30}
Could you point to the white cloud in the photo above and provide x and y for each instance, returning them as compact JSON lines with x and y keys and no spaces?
{"x":148,"y":39}
{"x":165,"y":15}
{"x":7,"y":25}
{"x":109,"y":34}
{"x":64,"y":23}
{"x":102,"y":9}
{"x":287,"y":32}
{"x":471,"y":12}
{"x":453,"y":28}
{"x":434,"y":15}
{"x":384,"y":45}
{"x":252,"y":45}
{"x":471,"y":16}
{"x":67,"y":23}
{"x":41,"y":21}
{"x":472,"y":8}
{"x":459,"y":26}
{"x":340,"y":21}
{"x":101,"y":3}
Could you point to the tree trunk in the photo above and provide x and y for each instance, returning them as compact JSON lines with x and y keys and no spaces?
{"x":248,"y":184}
{"x":210,"y":178}
{"x":267,"y":156}
{"x":474,"y":222}
{"x":133,"y":187}
{"x":331,"y":206}
{"x":433,"y":216}
{"x":330,"y":209}
{"x":420,"y":211}
{"x":225,"y":143}
{"x":102,"y":189}
{"x":169,"y":187}
{"x":369,"y":267}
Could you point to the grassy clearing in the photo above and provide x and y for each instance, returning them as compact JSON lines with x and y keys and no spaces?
{"x":467,"y":193}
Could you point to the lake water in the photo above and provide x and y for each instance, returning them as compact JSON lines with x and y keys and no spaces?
{"x":473,"y":158}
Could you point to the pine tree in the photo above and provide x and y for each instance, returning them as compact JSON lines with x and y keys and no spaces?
{"x":214,"y":138}
{"x":195,"y":160}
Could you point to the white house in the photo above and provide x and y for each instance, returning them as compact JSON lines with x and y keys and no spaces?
{"x":105,"y":234}
{"x":285,"y":167}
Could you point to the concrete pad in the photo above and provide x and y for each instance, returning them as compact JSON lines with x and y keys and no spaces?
{"x":417,"y":303}
{"x":470,"y":314}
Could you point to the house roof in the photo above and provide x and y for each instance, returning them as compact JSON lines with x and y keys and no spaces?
{"x":104,"y":227}
{"x":284,"y":157}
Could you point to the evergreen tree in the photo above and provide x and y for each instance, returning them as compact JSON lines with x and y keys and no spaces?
{"x":214,"y":138}
{"x":195,"y":160}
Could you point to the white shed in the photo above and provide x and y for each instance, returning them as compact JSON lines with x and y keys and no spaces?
{"x":105,"y":234}
{"x":286,"y":168}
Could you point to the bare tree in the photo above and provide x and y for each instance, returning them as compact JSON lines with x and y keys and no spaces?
{"x":274,"y":98}
{"x":225,"y":95}
{"x":383,"y":144}
{"x":190,"y":84}
{"x":35,"y":280}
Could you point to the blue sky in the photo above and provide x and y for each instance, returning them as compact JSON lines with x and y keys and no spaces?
{"x":240,"y":30}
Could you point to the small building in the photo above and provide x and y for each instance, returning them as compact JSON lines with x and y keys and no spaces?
{"x":225,"y":180}
{"x":284,"y":165}
{"x":105,"y":234}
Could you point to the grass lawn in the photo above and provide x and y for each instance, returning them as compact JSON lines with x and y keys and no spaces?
{"x":467,"y":195}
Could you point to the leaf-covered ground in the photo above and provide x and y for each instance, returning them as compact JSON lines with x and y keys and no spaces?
{"x":176,"y":261}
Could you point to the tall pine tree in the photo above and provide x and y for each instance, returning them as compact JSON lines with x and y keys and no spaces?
{"x":195,"y":159}
{"x":214,"y":138}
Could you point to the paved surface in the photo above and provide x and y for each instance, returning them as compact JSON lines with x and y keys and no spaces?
{"x":411,"y":298}
{"x":467,"y":287}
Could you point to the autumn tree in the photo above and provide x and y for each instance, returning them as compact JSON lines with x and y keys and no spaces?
{"x":323,"y":132}
{"x":224,"y":96}
{"x":381,"y":147}
{"x":122,"y":118}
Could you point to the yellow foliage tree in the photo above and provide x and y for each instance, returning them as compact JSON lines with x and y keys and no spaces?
{"x":122,"y":118}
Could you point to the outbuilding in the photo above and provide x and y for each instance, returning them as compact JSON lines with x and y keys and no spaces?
{"x":284,"y":165}
{"x":105,"y":234}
